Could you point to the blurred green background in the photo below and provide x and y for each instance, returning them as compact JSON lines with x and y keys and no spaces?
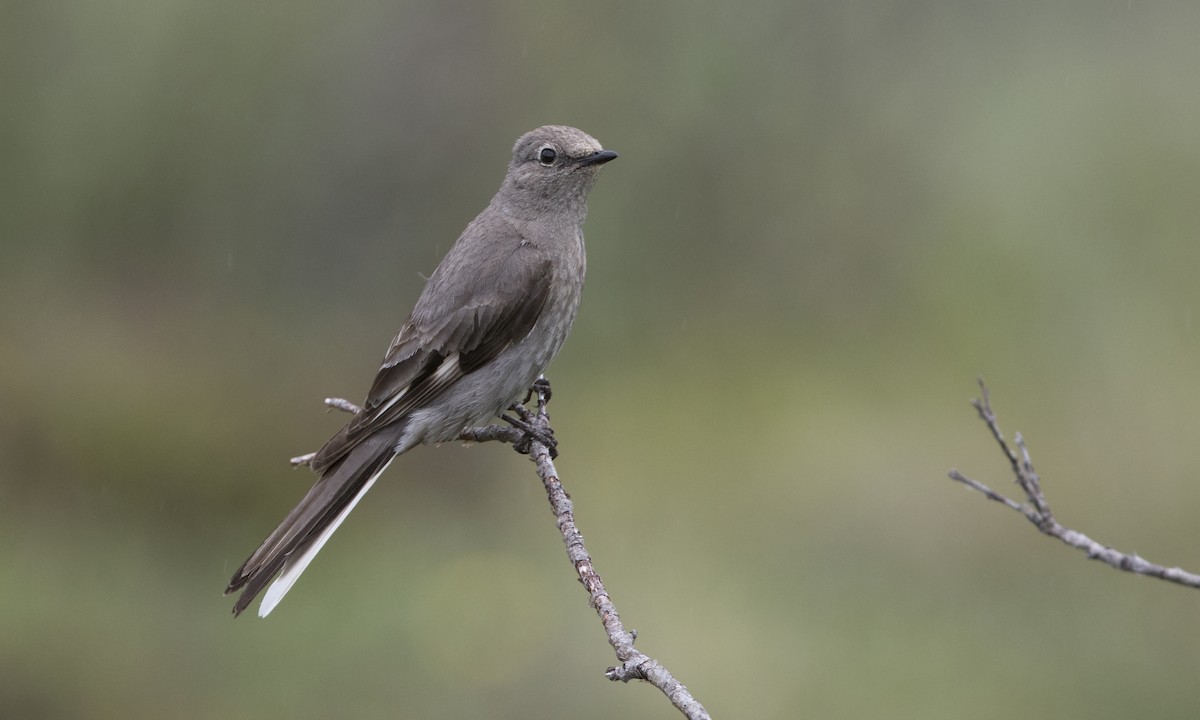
{"x":827,"y":219}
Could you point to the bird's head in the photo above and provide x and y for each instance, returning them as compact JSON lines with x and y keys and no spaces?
{"x":555,"y":164}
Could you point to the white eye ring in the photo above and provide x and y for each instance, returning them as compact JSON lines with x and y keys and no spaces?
{"x":547,"y":155}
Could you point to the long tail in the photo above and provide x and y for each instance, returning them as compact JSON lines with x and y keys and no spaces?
{"x":306,"y":529}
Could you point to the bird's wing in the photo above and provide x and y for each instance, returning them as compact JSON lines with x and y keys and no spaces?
{"x":453,"y":331}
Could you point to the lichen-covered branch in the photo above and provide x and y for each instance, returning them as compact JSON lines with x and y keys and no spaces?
{"x":1036,"y":507}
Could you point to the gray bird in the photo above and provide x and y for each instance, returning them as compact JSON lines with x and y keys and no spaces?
{"x":491,"y":318}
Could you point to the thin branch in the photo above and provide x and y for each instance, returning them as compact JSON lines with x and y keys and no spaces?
{"x":1036,"y":507}
{"x":342,"y":404}
{"x":635,"y":665}
{"x":539,"y":444}
{"x":331,"y":402}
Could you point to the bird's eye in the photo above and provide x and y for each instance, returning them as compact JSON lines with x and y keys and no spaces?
{"x":547,"y":155}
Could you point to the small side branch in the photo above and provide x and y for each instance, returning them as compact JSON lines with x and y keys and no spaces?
{"x":1036,"y":507}
{"x":330,"y":402}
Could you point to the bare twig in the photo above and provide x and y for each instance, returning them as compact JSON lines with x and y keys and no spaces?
{"x":635,"y":665}
{"x":1036,"y":509}
{"x":331,"y":402}
{"x":342,"y":404}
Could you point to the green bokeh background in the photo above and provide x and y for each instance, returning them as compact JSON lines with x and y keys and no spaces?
{"x":827,"y":219}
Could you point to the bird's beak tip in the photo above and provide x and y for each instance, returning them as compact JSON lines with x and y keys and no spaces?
{"x":599,"y":157}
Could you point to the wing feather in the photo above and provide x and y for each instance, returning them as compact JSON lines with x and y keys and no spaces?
{"x":450,"y":335}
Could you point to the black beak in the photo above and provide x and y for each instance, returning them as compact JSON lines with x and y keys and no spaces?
{"x":597,"y":158}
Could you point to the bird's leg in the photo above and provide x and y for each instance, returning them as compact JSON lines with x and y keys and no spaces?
{"x":541,"y":387}
{"x":337,"y":404}
{"x":527,"y":420}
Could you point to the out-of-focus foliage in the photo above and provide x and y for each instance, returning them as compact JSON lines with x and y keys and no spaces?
{"x":827,"y":218}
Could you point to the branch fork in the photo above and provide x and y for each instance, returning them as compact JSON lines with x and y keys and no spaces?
{"x":1036,"y":507}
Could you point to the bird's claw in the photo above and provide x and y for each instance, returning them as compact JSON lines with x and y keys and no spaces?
{"x":532,"y":433}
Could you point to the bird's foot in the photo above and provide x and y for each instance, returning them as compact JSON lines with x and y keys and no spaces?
{"x":531,"y":433}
